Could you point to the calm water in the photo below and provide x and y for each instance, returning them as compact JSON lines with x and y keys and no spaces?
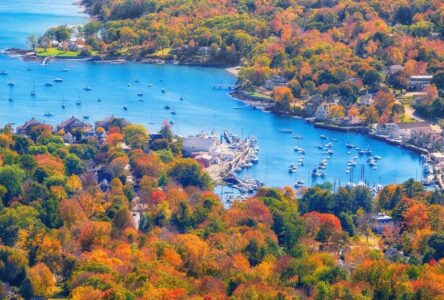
{"x":202,"y":108}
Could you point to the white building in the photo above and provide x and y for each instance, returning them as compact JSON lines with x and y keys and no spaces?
{"x":419,"y":82}
{"x":201,"y":143}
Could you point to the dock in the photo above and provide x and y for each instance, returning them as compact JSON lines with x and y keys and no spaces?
{"x":228,"y":87}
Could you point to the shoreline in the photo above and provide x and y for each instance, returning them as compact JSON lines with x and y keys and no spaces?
{"x":255,"y":102}
{"x":262,"y":105}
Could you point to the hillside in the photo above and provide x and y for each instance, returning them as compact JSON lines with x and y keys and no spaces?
{"x":108,"y":217}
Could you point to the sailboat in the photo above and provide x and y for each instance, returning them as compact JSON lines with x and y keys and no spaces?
{"x":11,"y":87}
{"x":78,"y":103}
{"x":33,"y":90}
{"x":63,"y":103}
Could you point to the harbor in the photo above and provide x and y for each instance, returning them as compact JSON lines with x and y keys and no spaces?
{"x":224,"y":157}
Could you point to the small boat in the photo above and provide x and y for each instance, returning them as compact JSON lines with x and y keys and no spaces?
{"x":78,"y":103}
{"x":167,"y":107}
{"x":33,"y":93}
{"x":125,"y":108}
{"x":63,"y":106}
{"x":349,"y":145}
{"x":139,"y":94}
{"x":87,"y":89}
{"x":285,"y":130}
{"x":172,"y":122}
{"x":136,"y":81}
{"x":149,"y":85}
{"x":377,"y":157}
{"x":58,"y":80}
{"x":10,"y":99}
{"x":11,"y":83}
{"x":163,"y":91}
{"x":64,"y":70}
{"x":99,"y":100}
{"x":332,"y":139}
{"x":129,"y":84}
{"x":181,"y":98}
{"x":49,"y":114}
{"x":3,"y":73}
{"x":86,"y":117}
{"x":361,"y":152}
{"x":298,"y":137}
{"x":322,"y":137}
{"x":48,"y":84}
{"x":173,"y":113}
{"x":299,"y":184}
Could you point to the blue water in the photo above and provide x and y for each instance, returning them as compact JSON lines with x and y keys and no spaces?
{"x":203,"y":109}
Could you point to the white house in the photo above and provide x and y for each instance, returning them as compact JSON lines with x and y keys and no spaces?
{"x":322,"y":111}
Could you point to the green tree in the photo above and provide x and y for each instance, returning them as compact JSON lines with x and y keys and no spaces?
{"x":136,"y":136}
{"x":11,"y":177}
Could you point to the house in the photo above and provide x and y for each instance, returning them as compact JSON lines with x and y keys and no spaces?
{"x":419,"y":82}
{"x":410,"y":130}
{"x":367,"y":99}
{"x":379,"y":222}
{"x":73,"y":123}
{"x":77,"y":44}
{"x":112,"y":122}
{"x":68,"y":138}
{"x":312,"y":103}
{"x":275,"y":81}
{"x":393,"y":69}
{"x":28,"y":127}
{"x":199,"y":143}
{"x":390,"y":130}
{"x":104,"y":185}
{"x":322,"y":112}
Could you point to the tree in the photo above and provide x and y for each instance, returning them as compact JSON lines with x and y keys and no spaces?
{"x":73,"y":165}
{"x":94,"y":233}
{"x":32,"y":41}
{"x":40,"y":282}
{"x":136,"y":136}
{"x":11,"y":177}
{"x":283,"y":98}
{"x":188,"y":172}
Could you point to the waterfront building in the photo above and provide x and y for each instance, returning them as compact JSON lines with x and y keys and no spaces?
{"x":73,"y":123}
{"x":322,"y":112}
{"x":200,"y":143}
{"x":28,"y":127}
{"x":112,"y":122}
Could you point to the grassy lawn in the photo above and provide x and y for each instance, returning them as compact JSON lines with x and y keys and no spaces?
{"x":163,"y":52}
{"x":55,"y":52}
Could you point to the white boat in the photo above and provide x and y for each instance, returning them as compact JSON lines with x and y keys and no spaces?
{"x":285,"y":130}
{"x":49,"y":114}
{"x":322,"y":137}
{"x":58,"y":80}
{"x":3,"y":73}
{"x":49,"y":84}
{"x":87,"y":89}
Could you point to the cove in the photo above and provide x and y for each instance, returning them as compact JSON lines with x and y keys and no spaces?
{"x":202,"y":108}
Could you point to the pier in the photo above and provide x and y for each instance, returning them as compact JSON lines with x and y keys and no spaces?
{"x":228,"y":87}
